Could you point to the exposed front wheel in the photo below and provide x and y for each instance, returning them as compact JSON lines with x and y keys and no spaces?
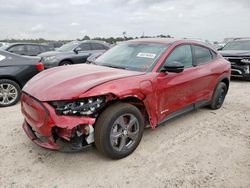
{"x":119,"y":130}
{"x":219,"y":96}
{"x":9,"y":93}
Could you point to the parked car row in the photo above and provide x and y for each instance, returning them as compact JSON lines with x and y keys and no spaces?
{"x":15,"y":71}
{"x":27,"y":49}
{"x":74,"y":52}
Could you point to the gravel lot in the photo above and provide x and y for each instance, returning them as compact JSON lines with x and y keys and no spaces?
{"x":201,"y":149}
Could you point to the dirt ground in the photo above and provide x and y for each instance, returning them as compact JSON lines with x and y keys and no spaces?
{"x":204,"y":148}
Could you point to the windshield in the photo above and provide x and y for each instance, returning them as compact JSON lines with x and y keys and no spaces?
{"x":132,"y":56}
{"x":238,"y":45}
{"x":68,"y":47}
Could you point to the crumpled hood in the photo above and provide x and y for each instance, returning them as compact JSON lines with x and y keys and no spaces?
{"x":228,"y":53}
{"x":68,"y":82}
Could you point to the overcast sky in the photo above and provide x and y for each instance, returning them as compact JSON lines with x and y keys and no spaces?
{"x":71,"y":19}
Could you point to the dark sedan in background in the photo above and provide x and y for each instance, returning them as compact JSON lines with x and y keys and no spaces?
{"x":238,"y":53}
{"x":15,"y":71}
{"x":74,"y":52}
{"x":28,"y":49}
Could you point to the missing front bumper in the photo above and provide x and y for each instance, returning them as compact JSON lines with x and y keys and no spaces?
{"x":76,"y":144}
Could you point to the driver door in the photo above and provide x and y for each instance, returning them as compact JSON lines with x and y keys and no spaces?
{"x":174,"y":89}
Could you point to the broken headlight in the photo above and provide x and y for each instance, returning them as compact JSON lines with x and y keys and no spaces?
{"x":87,"y":106}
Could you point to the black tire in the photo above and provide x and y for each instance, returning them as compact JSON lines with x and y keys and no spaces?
{"x":64,"y":63}
{"x":105,"y":126}
{"x":16,"y":88}
{"x":219,"y":96}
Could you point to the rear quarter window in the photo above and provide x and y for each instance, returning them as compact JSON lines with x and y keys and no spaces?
{"x":202,"y":54}
{"x":33,"y":48}
{"x":44,"y":48}
{"x":96,"y":46}
{"x":84,"y":46}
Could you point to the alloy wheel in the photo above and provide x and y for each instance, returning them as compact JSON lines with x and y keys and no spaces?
{"x":124,"y":132}
{"x":8,"y":93}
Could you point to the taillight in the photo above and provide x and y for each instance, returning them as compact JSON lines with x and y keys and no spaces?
{"x":39,"y":67}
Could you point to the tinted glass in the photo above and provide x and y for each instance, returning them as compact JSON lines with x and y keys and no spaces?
{"x":84,"y":46}
{"x":238,"y":45}
{"x":44,"y":48}
{"x":32,"y":48}
{"x":182,"y":54}
{"x":132,"y":56}
{"x":68,"y":47}
{"x":202,"y":54}
{"x":18,"y":48}
{"x":96,"y":46}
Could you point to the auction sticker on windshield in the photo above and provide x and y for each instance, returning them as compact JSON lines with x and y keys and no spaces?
{"x":2,"y":57}
{"x":146,"y":55}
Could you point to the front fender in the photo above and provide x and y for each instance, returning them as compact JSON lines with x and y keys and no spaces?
{"x":142,"y":90}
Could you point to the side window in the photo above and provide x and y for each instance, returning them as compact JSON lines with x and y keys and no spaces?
{"x":182,"y":54}
{"x":202,"y":54}
{"x":96,"y":46}
{"x":17,"y":48}
{"x":33,"y":48}
{"x":44,"y":48}
{"x":84,"y":46}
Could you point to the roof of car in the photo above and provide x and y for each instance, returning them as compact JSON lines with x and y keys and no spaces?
{"x":25,"y":43}
{"x":95,"y":41}
{"x":167,"y":40}
{"x":157,"y":40}
{"x":242,"y":39}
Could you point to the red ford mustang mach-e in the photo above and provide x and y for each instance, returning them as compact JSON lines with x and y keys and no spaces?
{"x":135,"y":84}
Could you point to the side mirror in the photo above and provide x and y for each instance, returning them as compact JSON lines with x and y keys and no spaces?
{"x":76,"y":50}
{"x":174,"y":66}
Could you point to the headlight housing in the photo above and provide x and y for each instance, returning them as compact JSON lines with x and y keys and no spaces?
{"x":246,"y":61}
{"x":50,"y":58}
{"x":86,"y":106}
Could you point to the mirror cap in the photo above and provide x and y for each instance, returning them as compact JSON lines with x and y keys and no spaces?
{"x":174,"y":66}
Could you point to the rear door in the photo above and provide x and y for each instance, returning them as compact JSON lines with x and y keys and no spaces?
{"x":33,"y":50}
{"x":84,"y":53}
{"x":205,"y":69}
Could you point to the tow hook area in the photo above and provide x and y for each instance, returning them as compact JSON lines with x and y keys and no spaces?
{"x":77,"y":139}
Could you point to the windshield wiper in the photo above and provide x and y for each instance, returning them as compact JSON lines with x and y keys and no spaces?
{"x":114,"y":66}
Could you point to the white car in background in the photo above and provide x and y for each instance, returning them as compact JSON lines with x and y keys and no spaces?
{"x":3,"y":44}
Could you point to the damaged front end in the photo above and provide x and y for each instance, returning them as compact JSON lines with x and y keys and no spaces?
{"x":240,"y":66}
{"x":62,"y":125}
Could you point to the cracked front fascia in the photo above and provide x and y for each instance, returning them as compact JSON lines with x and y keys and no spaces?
{"x":68,"y":122}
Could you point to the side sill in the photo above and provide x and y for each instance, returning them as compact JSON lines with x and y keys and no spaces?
{"x":184,"y":111}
